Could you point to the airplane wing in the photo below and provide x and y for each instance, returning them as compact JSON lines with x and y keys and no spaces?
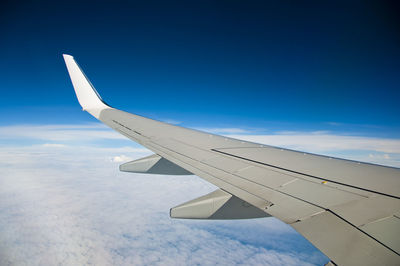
{"x":349,"y":210}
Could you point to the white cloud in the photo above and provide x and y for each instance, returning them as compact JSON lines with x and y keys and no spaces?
{"x":379,"y":156}
{"x":121,"y":158}
{"x":334,"y":123}
{"x":83,"y":132}
{"x":71,"y":206}
{"x":54,"y":145}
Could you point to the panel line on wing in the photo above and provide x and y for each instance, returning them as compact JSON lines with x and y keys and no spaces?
{"x":244,"y":178}
{"x":300,"y":173}
{"x":363,"y":232}
{"x":307,"y":203}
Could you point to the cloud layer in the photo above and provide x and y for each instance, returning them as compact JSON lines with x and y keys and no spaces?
{"x":70,"y":205}
{"x":63,"y":201}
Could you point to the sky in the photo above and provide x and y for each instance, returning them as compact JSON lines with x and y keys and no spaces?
{"x":321,"y":77}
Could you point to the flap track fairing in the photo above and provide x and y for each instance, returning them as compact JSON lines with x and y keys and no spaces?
{"x":153,"y":164}
{"x":218,"y":205}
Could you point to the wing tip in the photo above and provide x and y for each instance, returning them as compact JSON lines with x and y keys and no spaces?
{"x":87,"y":95}
{"x":67,"y":57}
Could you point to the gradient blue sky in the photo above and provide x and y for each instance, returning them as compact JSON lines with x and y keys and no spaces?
{"x":207,"y":63}
{"x":313,"y":76}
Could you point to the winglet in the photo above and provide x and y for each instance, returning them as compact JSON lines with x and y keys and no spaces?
{"x":87,"y":95}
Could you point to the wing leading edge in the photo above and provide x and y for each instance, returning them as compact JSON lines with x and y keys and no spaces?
{"x":349,"y":210}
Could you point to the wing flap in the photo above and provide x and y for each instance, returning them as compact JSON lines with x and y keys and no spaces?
{"x":386,"y":230}
{"x":345,"y":244}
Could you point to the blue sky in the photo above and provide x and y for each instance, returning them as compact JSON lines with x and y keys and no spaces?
{"x":318,"y":77}
{"x":211,"y":63}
